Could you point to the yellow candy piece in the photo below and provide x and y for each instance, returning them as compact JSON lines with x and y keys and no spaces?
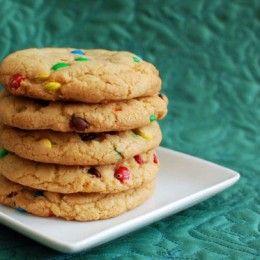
{"x":46,"y":142}
{"x":42,"y":77}
{"x":52,"y":86}
{"x":143,"y":134}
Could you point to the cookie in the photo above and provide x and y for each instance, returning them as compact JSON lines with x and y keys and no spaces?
{"x":31,"y":114}
{"x":76,"y":206}
{"x":125,"y":175}
{"x":80,"y":148}
{"x":90,"y":76}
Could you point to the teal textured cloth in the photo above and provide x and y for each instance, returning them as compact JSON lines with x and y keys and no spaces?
{"x":207,"y":52}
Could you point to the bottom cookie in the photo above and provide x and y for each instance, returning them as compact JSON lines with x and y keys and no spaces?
{"x":76,"y":206}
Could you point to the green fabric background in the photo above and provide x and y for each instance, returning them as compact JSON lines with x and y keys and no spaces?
{"x":208,"y":54}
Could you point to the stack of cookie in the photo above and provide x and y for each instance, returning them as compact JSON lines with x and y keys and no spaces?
{"x":79,"y":132}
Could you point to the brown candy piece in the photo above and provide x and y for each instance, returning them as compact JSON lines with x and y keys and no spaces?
{"x":12,"y":194}
{"x":79,"y":124}
{"x":43,"y":103}
{"x":90,"y":136}
{"x":94,"y":171}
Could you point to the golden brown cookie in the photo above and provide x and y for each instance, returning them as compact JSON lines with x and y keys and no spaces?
{"x":90,"y":76}
{"x":80,"y":148}
{"x":76,"y":206}
{"x":26,"y":113}
{"x":125,"y":175}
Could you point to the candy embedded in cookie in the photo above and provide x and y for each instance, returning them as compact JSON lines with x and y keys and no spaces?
{"x":155,"y":159}
{"x":79,"y":124}
{"x":80,"y":52}
{"x":94,"y":171}
{"x":59,"y":66}
{"x":16,"y":81}
{"x":139,"y":159}
{"x":122,"y":174}
{"x":3,"y":152}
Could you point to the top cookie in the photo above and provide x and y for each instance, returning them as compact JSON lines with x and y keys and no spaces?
{"x":91,"y":76}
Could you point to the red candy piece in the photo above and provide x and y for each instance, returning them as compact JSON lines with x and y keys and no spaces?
{"x":155,"y":158}
{"x":122,"y":174}
{"x":51,"y":213}
{"x":139,"y":159}
{"x":16,"y":81}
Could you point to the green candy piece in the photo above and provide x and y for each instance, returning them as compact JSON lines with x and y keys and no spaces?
{"x":59,"y":66}
{"x":152,"y":118}
{"x":136,"y":59}
{"x":119,"y":153}
{"x":38,"y":193}
{"x":82,"y":59}
{"x":3,"y":153}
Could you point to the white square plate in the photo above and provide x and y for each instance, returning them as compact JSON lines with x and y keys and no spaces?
{"x":183,"y":181}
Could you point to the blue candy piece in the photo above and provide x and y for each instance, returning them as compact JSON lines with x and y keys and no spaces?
{"x":140,"y":57}
{"x":20,"y":209}
{"x":78,"y":52}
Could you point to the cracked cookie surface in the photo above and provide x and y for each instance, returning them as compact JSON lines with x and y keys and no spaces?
{"x":26,"y":113}
{"x":125,"y":175}
{"x":76,"y":206}
{"x":90,"y":76}
{"x":80,"y":148}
